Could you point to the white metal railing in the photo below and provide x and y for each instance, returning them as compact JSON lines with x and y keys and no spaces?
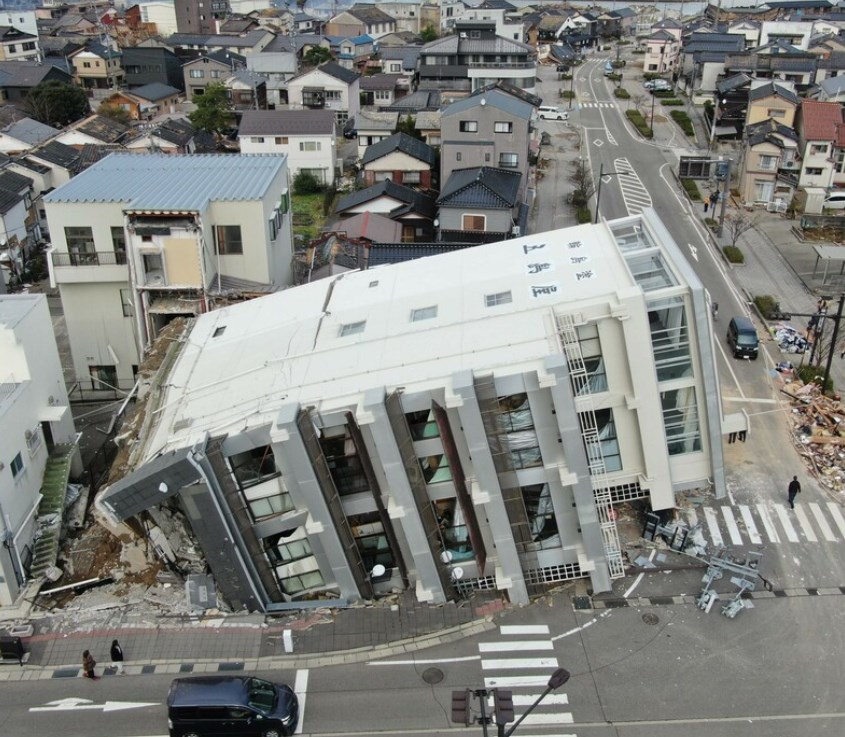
{"x":592,"y":442}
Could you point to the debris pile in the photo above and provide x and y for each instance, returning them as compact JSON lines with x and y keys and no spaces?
{"x":818,"y":430}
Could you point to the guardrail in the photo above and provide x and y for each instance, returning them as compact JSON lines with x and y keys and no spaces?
{"x":95,"y":258}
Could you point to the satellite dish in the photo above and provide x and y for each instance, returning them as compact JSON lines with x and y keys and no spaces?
{"x":457,"y":573}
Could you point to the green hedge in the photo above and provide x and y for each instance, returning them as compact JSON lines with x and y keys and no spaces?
{"x":613,"y":77}
{"x":622,"y":93}
{"x":691,"y":189}
{"x":663,"y":93}
{"x":734,"y":255}
{"x":636,"y":117}
{"x":672,"y":103}
{"x":583,"y":215}
{"x":567,"y":94}
{"x":683,"y":120}
{"x":766,"y":304}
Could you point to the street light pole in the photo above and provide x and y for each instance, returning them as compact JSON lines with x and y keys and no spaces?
{"x":559,"y":677}
{"x":833,"y":343}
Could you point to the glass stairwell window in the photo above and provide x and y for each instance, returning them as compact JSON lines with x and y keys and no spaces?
{"x":454,"y":534}
{"x":588,"y":340}
{"x":681,"y":420}
{"x":372,"y":542}
{"x":435,"y":468}
{"x":670,"y":339}
{"x":422,"y":425}
{"x":516,"y":425}
{"x":540,"y":513}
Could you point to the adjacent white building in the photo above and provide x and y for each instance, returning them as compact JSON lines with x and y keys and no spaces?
{"x":139,"y":239}
{"x":461,"y":421}
{"x":160,"y":12}
{"x":35,"y":422}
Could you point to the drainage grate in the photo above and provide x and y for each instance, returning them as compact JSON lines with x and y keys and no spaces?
{"x":650,"y":618}
{"x":186,"y":668}
{"x":230,"y":666}
{"x":432,"y":675}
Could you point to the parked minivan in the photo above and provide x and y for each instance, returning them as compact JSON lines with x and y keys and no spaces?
{"x":742,"y":338}
{"x":547,"y":112}
{"x":834,"y":201}
{"x":608,"y":69}
{"x":213,"y":706}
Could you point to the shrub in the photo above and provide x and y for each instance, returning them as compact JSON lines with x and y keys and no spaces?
{"x":579,"y":199}
{"x":567,"y":94}
{"x":663,"y":93}
{"x":567,"y":77}
{"x":613,"y":77}
{"x":584,"y":215}
{"x":683,"y":120}
{"x":622,"y":93}
{"x":306,"y":183}
{"x":648,"y":76}
{"x":639,"y":122}
{"x":711,"y":223}
{"x":691,"y":189}
{"x":672,"y":102}
{"x":813,"y":374}
{"x":734,"y":255}
{"x":766,"y":304}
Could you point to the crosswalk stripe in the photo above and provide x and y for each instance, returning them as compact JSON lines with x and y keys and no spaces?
{"x":822,"y":522}
{"x":561,"y":718}
{"x":523,"y":681}
{"x":783,"y":517}
{"x":549,"y":735}
{"x":713,"y":525}
{"x":733,"y":529}
{"x":805,"y":524}
{"x":768,"y":524}
{"x":524,"y":629}
{"x":511,"y":645}
{"x":511,"y":663}
{"x":836,"y":513}
{"x":529,"y":698}
{"x":750,"y":527}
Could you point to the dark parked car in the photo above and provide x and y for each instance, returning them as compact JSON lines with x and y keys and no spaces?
{"x":349,"y":129}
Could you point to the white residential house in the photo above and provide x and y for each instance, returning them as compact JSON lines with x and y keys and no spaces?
{"x":35,"y":424}
{"x":307,"y":137}
{"x":139,"y":239}
{"x":330,"y":87}
{"x":794,"y":33}
{"x":23,"y":135}
{"x":663,"y":50}
{"x":821,"y":140}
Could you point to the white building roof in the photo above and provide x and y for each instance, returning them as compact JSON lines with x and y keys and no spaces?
{"x":291,"y":347}
{"x":170,"y":182}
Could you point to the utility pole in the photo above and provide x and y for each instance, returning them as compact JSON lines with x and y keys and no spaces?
{"x":724,"y":197}
{"x":833,"y":338}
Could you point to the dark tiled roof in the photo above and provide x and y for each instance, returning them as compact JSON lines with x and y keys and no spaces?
{"x":14,"y":182}
{"x":412,"y":200}
{"x":177,"y":131}
{"x":370,"y":14}
{"x":511,"y":90}
{"x":103,"y":128}
{"x":481,"y":187}
{"x":770,"y":89}
{"x":407,"y":54}
{"x":765,"y":130}
{"x":8,"y":200}
{"x":32,"y":165}
{"x":379,"y":82}
{"x":91,"y":153}
{"x":24,"y":73}
{"x":787,"y":4}
{"x":287,"y":122}
{"x":154,"y":91}
{"x":338,"y":72}
{"x":380,"y":254}
{"x":223,"y":57}
{"x":416,"y":101}
{"x":733,"y":82}
{"x":401,"y":142}
{"x":57,"y":153}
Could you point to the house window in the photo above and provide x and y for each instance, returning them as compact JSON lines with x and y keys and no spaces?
{"x":435,"y":468}
{"x":318,"y":174}
{"x":812,"y":171}
{"x":383,"y":95}
{"x":281,"y":140}
{"x":775,"y":113}
{"x":86,"y":64}
{"x":424,"y":313}
{"x":267,"y":500}
{"x":30,"y":46}
{"x":422,"y":424}
{"x":503,"y":127}
{"x":670,"y":340}
{"x":309,"y":145}
{"x":256,"y":139}
{"x":411,"y":177}
{"x":126,"y":302}
{"x":458,"y":156}
{"x":103,"y":377}
{"x":17,"y":466}
{"x":79,"y":240}
{"x":818,"y":148}
{"x":196,"y":74}
{"x":499,"y":298}
{"x":508,"y":161}
{"x":468,"y":126}
{"x":228,"y":239}
{"x":372,"y":542}
{"x":768,"y":163}
{"x":606,"y":432}
{"x":253,"y":466}
{"x":118,"y":240}
{"x":280,"y":552}
{"x":333,"y":95}
{"x":487,"y":158}
{"x":474,"y":222}
{"x":352,"y":328}
{"x":215,"y":74}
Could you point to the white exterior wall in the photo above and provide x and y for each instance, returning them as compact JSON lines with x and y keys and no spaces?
{"x":325,"y":158}
{"x":22,"y":20}
{"x":816,"y":161}
{"x":77,"y":139}
{"x":13,"y":224}
{"x":348,"y":101}
{"x":31,"y":361}
{"x":778,"y":27}
{"x":163,"y":14}
{"x":396,"y":161}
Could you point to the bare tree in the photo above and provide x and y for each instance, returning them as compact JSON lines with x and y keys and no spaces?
{"x":585,"y":187}
{"x":738,"y":222}
{"x":639,"y":100}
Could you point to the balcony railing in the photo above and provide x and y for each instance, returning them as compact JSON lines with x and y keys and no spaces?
{"x":790,"y":176}
{"x":94,"y":258}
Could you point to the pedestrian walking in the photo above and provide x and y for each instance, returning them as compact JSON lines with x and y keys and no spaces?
{"x":706,"y":203}
{"x":88,"y":665}
{"x":794,"y":490}
{"x":117,"y":657}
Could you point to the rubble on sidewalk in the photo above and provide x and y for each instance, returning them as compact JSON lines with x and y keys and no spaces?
{"x":818,"y":432}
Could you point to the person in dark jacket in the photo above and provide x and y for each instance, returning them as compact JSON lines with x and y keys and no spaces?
{"x":88,"y":665}
{"x":117,"y":656}
{"x":794,"y":490}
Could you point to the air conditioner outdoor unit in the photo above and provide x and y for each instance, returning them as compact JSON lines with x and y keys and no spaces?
{"x":516,"y":231}
{"x":462,"y":34}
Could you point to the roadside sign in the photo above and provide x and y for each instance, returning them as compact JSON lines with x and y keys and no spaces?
{"x":695,"y":167}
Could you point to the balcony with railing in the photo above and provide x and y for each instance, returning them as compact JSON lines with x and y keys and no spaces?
{"x":85,"y":266}
{"x":789,"y":176}
{"x":93,"y":258}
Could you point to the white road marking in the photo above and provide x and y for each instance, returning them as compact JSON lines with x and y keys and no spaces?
{"x":511,"y":663}
{"x":524,"y":629}
{"x":713,"y":525}
{"x":300,"y":688}
{"x":750,"y":527}
{"x":768,"y":525}
{"x":693,"y":251}
{"x":576,"y":630}
{"x":804,"y":521}
{"x":73,"y":703}
{"x":529,"y":698}
{"x":633,"y":585}
{"x":783,"y":516}
{"x":733,"y":528}
{"x":535,"y":718}
{"x":424,"y":662}
{"x":822,"y":522}
{"x":516,"y":681}
{"x":511,"y":645}
{"x":836,"y":513}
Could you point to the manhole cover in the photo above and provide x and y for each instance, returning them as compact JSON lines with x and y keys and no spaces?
{"x":432,"y":675}
{"x":650,"y":618}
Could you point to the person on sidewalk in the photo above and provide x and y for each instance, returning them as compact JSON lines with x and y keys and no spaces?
{"x":794,"y":490}
{"x":88,"y":665}
{"x":706,"y":203}
{"x":117,"y":657}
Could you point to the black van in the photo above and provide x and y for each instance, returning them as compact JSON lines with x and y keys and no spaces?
{"x":236,"y":706}
{"x":742,"y":338}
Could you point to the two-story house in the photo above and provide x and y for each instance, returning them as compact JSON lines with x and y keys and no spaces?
{"x":770,"y":165}
{"x":413,"y":209}
{"x":212,"y":68}
{"x":144,"y":103}
{"x":820,"y":127}
{"x":144,"y":65}
{"x":474,"y":57}
{"x":17,"y":79}
{"x":360,"y":20}
{"x":663,"y":52}
{"x":489,"y":129}
{"x":402,"y":159}
{"x":139,"y":239}
{"x":382,"y":90}
{"x":24,"y":134}
{"x":306,"y":137}
{"x":351,"y":52}
{"x":17,"y":45}
{"x":97,"y":66}
{"x":330,"y":87}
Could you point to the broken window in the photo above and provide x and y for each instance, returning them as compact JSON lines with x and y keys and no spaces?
{"x":422,"y":424}
{"x":517,"y":425}
{"x":606,"y":432}
{"x":540,"y":512}
{"x":436,"y":469}
{"x":372,"y":542}
{"x":228,"y":239}
{"x":588,"y":339}
{"x":454,"y":534}
{"x":342,"y":458}
{"x":253,"y":466}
